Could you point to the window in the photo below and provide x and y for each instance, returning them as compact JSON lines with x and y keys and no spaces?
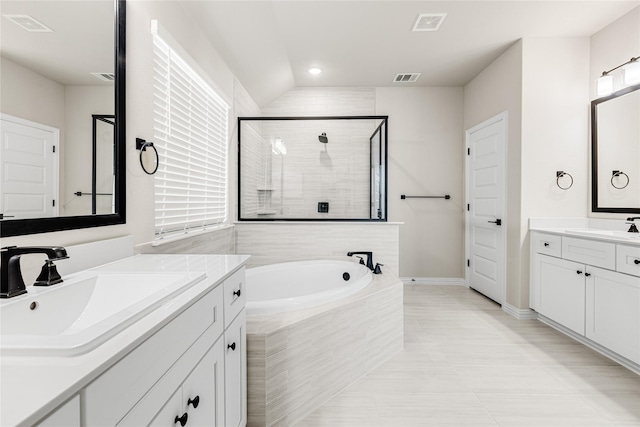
{"x":190,"y":130}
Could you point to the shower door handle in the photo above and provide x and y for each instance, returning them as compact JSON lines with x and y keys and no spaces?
{"x":496,"y":222}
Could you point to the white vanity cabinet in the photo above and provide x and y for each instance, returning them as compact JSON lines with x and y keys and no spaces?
{"x":190,"y":372}
{"x":613,"y":312}
{"x":66,"y":415}
{"x":561,"y":291}
{"x":590,"y":287}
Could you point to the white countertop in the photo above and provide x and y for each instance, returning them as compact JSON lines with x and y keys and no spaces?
{"x":31,"y":387}
{"x":575,"y":233}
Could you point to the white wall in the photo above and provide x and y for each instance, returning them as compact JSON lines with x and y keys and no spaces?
{"x":543,"y":84}
{"x":426,"y":158}
{"x":496,"y":89}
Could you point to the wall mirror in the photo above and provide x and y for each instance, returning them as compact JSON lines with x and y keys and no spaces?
{"x":615,"y":152}
{"x":62,"y":161}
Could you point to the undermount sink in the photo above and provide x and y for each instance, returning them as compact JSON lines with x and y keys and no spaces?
{"x":606,"y":233}
{"x":77,"y":316}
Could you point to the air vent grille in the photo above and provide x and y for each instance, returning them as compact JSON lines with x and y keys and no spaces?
{"x":29,"y":23}
{"x":429,"y":21}
{"x":107,"y":77}
{"x":406,"y":77}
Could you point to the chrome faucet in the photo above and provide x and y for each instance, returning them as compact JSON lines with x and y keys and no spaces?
{"x":632,"y":228}
{"x":11,"y":281}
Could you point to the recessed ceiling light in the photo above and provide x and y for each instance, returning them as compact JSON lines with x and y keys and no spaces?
{"x":315,"y":71}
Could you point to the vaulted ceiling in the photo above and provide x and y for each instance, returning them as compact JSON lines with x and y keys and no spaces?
{"x":270,"y":45}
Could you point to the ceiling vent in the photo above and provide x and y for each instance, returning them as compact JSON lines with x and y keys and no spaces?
{"x":107,"y":77}
{"x":406,"y":77}
{"x":29,"y":23}
{"x":429,"y":21}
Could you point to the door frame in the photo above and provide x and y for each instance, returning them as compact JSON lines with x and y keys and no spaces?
{"x":56,"y":159}
{"x":502,"y":274}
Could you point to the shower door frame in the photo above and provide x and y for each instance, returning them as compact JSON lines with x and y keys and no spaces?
{"x":385,"y":122}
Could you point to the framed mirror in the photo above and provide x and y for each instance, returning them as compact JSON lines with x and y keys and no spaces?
{"x":615,"y":152}
{"x":62,"y":162}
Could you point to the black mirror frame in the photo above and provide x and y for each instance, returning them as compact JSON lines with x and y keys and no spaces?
{"x":594,"y":151}
{"x":44,"y":225}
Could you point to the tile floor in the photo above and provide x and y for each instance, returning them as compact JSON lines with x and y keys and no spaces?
{"x":467,"y":363}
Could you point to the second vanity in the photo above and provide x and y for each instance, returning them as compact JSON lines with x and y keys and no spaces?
{"x":183,"y":363}
{"x":586,"y":283}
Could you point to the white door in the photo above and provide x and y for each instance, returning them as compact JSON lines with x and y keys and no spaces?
{"x":486,"y":228}
{"x":28,"y":169}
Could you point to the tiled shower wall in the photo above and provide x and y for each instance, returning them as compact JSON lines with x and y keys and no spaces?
{"x":291,"y":185}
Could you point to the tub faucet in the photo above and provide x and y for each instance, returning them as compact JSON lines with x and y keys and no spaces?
{"x":12,"y":283}
{"x":632,"y":228}
{"x":369,"y":258}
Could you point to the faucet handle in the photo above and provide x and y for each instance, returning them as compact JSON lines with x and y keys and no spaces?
{"x":378,"y":270}
{"x":361,"y":260}
{"x":48,"y":275}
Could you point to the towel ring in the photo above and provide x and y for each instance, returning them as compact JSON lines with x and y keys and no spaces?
{"x":616,"y":174}
{"x":560,"y":174}
{"x":142,"y":145}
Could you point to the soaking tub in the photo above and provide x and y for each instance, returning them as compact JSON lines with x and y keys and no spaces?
{"x":312,"y":331}
{"x":295,"y":285}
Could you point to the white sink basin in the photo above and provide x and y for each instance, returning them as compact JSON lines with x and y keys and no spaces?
{"x":607,"y":233}
{"x":77,"y":316}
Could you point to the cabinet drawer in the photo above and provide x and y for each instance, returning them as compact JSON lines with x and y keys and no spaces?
{"x":628,"y":260}
{"x":599,"y":254}
{"x":548,"y":244}
{"x":235,"y":296}
{"x":112,"y":395}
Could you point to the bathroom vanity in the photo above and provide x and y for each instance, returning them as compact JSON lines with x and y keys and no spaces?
{"x":182,"y":363}
{"x":586,"y":283}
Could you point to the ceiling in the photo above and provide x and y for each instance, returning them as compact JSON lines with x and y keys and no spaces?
{"x":81,"y":41}
{"x":270,"y":45}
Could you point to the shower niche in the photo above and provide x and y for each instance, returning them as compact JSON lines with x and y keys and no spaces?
{"x":291,"y":168}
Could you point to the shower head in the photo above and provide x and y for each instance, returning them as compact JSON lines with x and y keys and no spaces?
{"x":323,"y":138}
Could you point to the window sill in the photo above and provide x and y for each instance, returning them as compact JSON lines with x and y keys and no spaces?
{"x":171,"y":238}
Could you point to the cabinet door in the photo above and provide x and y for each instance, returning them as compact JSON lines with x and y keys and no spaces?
{"x":67,"y":415}
{"x":205,"y":385}
{"x":562,"y":291}
{"x":613,"y":312}
{"x":166,"y":417}
{"x":236,"y":372}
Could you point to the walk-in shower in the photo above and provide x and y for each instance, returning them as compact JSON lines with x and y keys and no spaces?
{"x":312,"y":168}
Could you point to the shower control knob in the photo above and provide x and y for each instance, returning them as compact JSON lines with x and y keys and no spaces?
{"x":232,"y":346}
{"x":182,"y":420}
{"x":237,"y":293}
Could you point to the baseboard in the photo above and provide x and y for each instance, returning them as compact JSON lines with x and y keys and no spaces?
{"x":633,"y":367}
{"x":433,"y":281}
{"x":519,"y":313}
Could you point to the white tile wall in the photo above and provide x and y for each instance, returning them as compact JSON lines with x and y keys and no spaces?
{"x":270,"y":243}
{"x":299,"y":360}
{"x":310,"y":172}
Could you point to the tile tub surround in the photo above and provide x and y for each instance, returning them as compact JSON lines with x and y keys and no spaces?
{"x":299,"y":360}
{"x":281,"y":241}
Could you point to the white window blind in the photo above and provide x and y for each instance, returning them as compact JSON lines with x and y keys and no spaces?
{"x":190,"y":130}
